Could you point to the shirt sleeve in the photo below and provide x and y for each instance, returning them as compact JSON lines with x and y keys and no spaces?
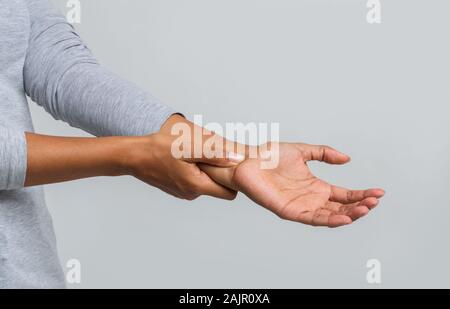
{"x":13,"y":159}
{"x":61,"y":74}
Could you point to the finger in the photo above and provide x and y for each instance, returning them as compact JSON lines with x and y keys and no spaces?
{"x":339,"y":220}
{"x":219,"y":158}
{"x":205,"y":147}
{"x":314,"y":218}
{"x":211,"y":188}
{"x":354,"y":210}
{"x":324,"y":218}
{"x":345,"y":196}
{"x":358,"y":212}
{"x":325,"y":154}
{"x":362,"y":208}
{"x":223,"y":176}
{"x":370,"y":202}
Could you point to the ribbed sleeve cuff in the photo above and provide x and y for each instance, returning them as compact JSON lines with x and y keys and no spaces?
{"x":13,"y":159}
{"x":154,"y":121}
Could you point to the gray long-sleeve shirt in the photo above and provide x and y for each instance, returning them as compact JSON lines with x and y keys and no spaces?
{"x":42,"y":56}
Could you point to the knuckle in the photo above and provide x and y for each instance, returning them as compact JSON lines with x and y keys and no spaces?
{"x":349,"y":195}
{"x":322,"y":152}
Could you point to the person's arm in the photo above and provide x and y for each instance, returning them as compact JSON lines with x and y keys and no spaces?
{"x":54,"y":159}
{"x":288,"y":189}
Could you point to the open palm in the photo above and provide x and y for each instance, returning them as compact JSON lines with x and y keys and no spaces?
{"x":293,"y":193}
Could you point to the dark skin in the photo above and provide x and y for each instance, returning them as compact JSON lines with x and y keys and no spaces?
{"x":290,"y":190}
{"x":58,"y":159}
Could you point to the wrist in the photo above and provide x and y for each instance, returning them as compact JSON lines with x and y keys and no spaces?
{"x":128,"y":154}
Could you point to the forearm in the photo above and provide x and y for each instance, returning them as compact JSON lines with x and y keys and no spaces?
{"x":59,"y":159}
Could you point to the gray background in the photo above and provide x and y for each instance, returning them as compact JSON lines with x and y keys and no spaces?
{"x":378,"y":92}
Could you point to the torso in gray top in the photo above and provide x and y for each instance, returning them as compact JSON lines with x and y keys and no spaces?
{"x":40,"y":55}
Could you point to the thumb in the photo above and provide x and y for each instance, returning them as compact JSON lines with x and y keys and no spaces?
{"x":325,"y":154}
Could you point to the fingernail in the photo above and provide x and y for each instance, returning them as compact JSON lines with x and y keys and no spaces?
{"x":346,"y":155}
{"x":235,"y":157}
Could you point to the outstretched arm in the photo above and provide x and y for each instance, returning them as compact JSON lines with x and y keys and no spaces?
{"x":58,"y":159}
{"x":288,"y":189}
